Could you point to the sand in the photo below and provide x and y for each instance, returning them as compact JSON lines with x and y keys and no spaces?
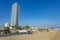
{"x":52,"y":35}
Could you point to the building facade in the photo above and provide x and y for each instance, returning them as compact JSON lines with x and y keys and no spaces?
{"x":15,"y":14}
{"x":7,"y":25}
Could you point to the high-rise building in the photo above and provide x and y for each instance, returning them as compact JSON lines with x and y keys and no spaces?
{"x":14,"y":16}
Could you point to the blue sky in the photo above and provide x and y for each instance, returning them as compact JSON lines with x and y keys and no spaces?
{"x":32,"y":12}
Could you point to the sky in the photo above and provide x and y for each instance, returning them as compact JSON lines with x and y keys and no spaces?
{"x":41,"y":13}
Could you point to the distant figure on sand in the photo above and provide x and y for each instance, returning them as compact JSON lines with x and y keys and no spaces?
{"x":29,"y":31}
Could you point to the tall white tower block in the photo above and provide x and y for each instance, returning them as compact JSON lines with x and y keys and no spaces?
{"x":15,"y":14}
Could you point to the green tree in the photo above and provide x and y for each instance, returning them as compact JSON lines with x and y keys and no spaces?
{"x":27,"y":27}
{"x":6,"y":30}
{"x":20,"y":27}
{"x":16,"y":26}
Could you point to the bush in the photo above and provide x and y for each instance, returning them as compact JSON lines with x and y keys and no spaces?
{"x":27,"y":27}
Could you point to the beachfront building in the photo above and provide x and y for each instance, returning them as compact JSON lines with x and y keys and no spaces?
{"x":1,"y":30}
{"x":7,"y":24}
{"x":34,"y":28}
{"x":15,"y":13}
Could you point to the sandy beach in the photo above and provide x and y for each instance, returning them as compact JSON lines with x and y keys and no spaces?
{"x":52,"y":35}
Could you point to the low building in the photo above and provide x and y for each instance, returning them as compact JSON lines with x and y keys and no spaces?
{"x":7,"y":24}
{"x":34,"y":28}
{"x":4,"y":30}
{"x":1,"y":30}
